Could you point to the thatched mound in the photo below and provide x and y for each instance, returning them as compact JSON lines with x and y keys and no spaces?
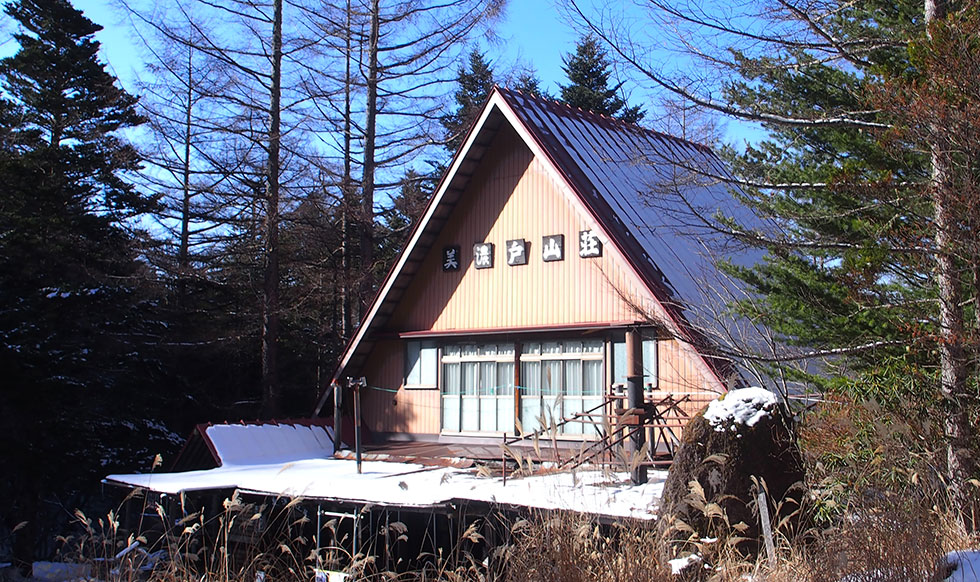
{"x":710,"y":488}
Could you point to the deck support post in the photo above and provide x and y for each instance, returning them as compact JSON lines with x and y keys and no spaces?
{"x":634,"y":402}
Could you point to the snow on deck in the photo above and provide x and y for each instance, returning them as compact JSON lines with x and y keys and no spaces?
{"x":412,"y":485}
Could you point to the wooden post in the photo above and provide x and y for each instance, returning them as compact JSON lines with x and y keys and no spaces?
{"x":503,"y":460}
{"x":766,"y":520}
{"x":338,"y":416}
{"x":634,"y":401}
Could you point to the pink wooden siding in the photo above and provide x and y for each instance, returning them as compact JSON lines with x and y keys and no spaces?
{"x":683,"y":373}
{"x":513,"y":196}
{"x":388,"y":407}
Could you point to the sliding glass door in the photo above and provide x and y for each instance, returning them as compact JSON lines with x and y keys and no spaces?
{"x":561,"y":380}
{"x":478,"y":388}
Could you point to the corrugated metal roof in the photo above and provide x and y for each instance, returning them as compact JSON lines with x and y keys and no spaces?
{"x":246,"y":444}
{"x":655,"y":193}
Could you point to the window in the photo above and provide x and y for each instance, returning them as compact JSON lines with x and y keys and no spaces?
{"x":649,"y":360}
{"x":421,"y":364}
{"x":559,"y":380}
{"x":478,"y":388}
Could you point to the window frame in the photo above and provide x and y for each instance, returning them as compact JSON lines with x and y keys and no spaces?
{"x":597,"y":352}
{"x":431,"y":346}
{"x":651,"y":365}
{"x":531,"y":349}
{"x":455,"y":353}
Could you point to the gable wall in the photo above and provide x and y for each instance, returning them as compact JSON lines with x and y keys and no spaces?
{"x":388,"y":406}
{"x":511,"y":197}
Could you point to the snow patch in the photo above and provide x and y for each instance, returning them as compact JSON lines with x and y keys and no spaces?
{"x":962,"y":566}
{"x":413,"y":485}
{"x":678,"y":565}
{"x":250,"y":444}
{"x":743,"y":407}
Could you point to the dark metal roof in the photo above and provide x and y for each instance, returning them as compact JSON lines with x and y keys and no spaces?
{"x":658,"y":195}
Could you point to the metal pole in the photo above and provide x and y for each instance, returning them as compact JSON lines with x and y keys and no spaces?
{"x":338,"y":416}
{"x":634,"y":401}
{"x":357,"y":531}
{"x":319,"y":532}
{"x":517,"y":387}
{"x":357,"y":385}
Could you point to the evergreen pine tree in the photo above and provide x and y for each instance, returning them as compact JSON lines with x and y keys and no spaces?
{"x":868,"y":172}
{"x":880,"y":265}
{"x":474,"y":83}
{"x":529,"y":83}
{"x":827,"y":294}
{"x":69,"y":281}
{"x":589,"y":72}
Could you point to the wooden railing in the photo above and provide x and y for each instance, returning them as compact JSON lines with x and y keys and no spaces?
{"x":661,"y":417}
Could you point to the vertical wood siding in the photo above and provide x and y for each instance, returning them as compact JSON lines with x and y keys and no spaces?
{"x":683,"y":373}
{"x":513,"y":196}
{"x":389,"y":407}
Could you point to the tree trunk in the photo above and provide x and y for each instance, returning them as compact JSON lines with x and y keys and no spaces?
{"x":347,"y":191}
{"x":961,"y":465}
{"x":952,"y":355}
{"x":367,"y":181}
{"x":183,"y":250}
{"x":271,"y":396}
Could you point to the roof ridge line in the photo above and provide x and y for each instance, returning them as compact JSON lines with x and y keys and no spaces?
{"x":624,"y":124}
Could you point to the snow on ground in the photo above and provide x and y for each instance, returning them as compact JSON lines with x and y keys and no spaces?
{"x":413,"y":485}
{"x":965,"y":566}
{"x":743,"y":407}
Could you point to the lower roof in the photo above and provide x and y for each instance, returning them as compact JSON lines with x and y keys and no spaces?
{"x":411,"y":485}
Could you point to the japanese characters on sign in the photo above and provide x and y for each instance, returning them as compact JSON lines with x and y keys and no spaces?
{"x":517,"y":252}
{"x":553,"y":248}
{"x":589,"y":244}
{"x":483,"y":255}
{"x":450,"y":258}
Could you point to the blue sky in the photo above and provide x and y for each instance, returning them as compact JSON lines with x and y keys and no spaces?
{"x":532,"y":33}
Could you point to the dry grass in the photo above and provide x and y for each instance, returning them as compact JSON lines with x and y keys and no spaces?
{"x":159,"y":546}
{"x":880,"y":543}
{"x":876,"y":516}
